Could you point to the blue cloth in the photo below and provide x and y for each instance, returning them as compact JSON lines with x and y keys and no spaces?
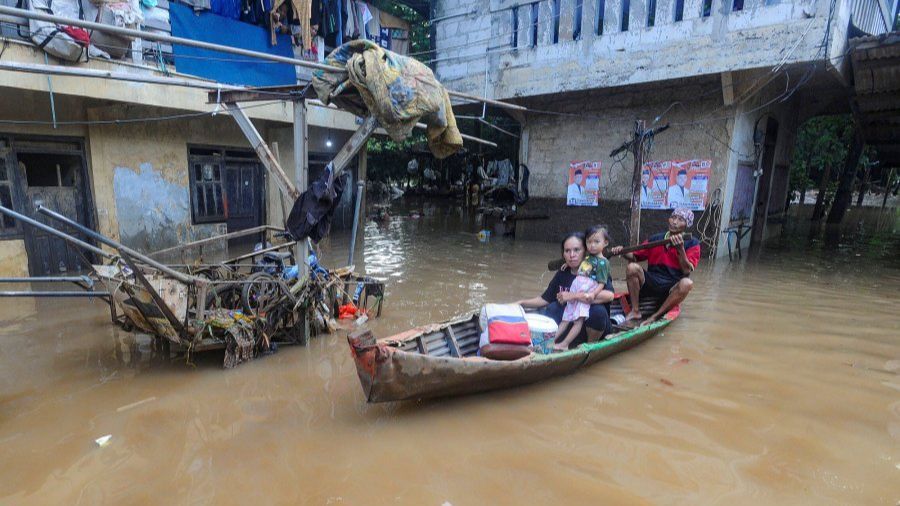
{"x":208,"y":27}
{"x":230,"y":9}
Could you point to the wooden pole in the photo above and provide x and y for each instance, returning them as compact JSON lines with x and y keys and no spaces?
{"x":637,"y":150}
{"x":301,"y":175}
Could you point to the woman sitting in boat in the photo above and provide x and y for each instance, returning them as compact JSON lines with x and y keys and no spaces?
{"x":557,"y":294}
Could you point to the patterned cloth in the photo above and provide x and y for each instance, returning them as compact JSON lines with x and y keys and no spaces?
{"x":597,"y":268}
{"x":399,"y":91}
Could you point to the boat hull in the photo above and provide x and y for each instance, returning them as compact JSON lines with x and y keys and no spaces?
{"x":388,"y":373}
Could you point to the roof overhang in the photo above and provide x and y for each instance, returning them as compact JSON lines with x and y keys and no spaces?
{"x":876,"y":78}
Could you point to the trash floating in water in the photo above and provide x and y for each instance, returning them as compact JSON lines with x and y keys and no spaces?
{"x":484,"y":235}
{"x":103,"y":440}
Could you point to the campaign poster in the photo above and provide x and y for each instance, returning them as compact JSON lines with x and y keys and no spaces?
{"x":583,"y":184}
{"x":688,"y":184}
{"x":667,"y":184}
{"x":654,"y":184}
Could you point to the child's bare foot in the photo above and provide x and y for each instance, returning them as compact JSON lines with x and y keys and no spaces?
{"x":633,"y":316}
{"x":560,"y":347}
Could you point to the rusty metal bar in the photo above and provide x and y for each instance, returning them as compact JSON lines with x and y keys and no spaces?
{"x":208,"y":240}
{"x":50,"y":230}
{"x":180,"y":276}
{"x":484,"y":100}
{"x":51,"y":279}
{"x":352,"y":146}
{"x":53,"y":294}
{"x":260,"y":252}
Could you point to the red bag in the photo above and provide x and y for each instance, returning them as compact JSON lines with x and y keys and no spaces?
{"x":347,"y":311}
{"x":509,"y":330}
{"x":79,"y":35}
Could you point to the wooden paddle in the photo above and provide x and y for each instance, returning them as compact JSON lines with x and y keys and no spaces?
{"x":555,"y":265}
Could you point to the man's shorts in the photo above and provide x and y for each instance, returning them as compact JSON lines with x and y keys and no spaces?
{"x":655,"y":287}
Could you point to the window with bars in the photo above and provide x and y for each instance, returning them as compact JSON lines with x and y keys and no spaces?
{"x":706,"y":8}
{"x":515,"y":26}
{"x":207,"y":196}
{"x":651,"y":13}
{"x":601,"y":11}
{"x":626,"y":12}
{"x":576,"y":28}
{"x":555,"y":6}
{"x":679,"y":10}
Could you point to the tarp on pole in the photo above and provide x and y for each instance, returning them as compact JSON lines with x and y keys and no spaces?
{"x":208,"y":27}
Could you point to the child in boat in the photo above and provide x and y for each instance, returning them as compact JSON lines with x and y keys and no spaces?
{"x":592,"y":275}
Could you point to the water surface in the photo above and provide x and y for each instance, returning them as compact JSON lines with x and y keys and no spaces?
{"x":780,"y":384}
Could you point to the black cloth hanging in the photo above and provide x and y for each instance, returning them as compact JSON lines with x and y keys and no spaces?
{"x":522,"y":194}
{"x":312,"y":212}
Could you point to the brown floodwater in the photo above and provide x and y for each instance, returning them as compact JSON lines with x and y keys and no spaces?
{"x":780,"y":384}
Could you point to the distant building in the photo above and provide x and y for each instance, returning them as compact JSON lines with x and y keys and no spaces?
{"x":734,"y":80}
{"x":149,"y":182}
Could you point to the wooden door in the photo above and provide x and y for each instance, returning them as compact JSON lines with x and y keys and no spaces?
{"x":55,"y":181}
{"x":245,"y":197}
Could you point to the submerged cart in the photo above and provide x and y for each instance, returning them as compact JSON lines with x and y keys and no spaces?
{"x":244,"y":305}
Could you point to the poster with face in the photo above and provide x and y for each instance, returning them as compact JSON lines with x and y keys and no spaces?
{"x":583,"y":184}
{"x":654,"y":183}
{"x":676,"y":183}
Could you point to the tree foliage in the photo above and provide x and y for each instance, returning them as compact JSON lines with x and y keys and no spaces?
{"x":419,"y":32}
{"x":821,"y":142}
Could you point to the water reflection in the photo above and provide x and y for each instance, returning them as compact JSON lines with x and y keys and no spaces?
{"x":778,"y":385}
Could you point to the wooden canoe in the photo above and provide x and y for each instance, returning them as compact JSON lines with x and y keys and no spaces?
{"x":440,"y":360}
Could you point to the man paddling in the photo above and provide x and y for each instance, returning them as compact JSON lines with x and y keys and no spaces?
{"x":668,"y":267}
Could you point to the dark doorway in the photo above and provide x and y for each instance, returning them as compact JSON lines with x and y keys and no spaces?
{"x":52,"y":174}
{"x":764,"y":189}
{"x":244,"y":194}
{"x":228,"y":186}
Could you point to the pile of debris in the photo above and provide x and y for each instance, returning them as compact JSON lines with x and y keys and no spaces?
{"x":244,"y":305}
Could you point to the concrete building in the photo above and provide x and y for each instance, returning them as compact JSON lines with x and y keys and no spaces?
{"x":733,"y":78}
{"x":146,"y":164}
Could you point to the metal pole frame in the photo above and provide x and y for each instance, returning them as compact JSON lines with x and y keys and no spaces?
{"x":121,"y":248}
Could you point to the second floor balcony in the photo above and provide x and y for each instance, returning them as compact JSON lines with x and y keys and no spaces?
{"x":516,"y":48}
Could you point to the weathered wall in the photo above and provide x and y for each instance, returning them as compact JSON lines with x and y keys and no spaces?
{"x":592,"y":124}
{"x":140,"y":178}
{"x":759,"y":36}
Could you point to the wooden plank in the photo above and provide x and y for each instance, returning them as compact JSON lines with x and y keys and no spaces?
{"x":421,"y":345}
{"x":451,"y":341}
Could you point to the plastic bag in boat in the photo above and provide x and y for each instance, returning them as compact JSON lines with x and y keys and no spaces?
{"x":504,"y":324}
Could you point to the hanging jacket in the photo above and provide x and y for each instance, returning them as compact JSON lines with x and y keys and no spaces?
{"x":313,"y":211}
